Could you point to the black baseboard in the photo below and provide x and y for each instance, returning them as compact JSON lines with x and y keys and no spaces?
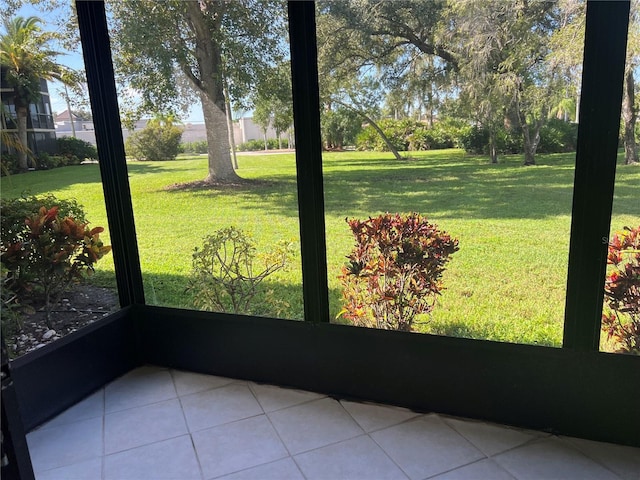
{"x":589,"y":395}
{"x":51,"y":379}
{"x":584,"y":394}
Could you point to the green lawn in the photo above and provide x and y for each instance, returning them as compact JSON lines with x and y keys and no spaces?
{"x":506,"y":283}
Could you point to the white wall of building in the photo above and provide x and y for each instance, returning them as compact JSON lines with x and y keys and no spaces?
{"x":243,"y":130}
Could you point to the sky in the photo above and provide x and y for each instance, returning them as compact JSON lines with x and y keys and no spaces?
{"x":75,"y":61}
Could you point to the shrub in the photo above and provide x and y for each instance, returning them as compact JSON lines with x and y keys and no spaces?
{"x":44,"y":161}
{"x":11,"y":319}
{"x":76,"y":150}
{"x":397,"y":131}
{"x":156,"y":141}
{"x":14,"y":212}
{"x":225,"y":277}
{"x":198,"y":147}
{"x":258,"y":144}
{"x":443,"y":134}
{"x":621,"y":316}
{"x":475,"y":140}
{"x":394,"y":272}
{"x":407,"y":134}
{"x":274,"y":144}
{"x":50,"y":254}
{"x":251,"y":145}
{"x":558,"y":136}
{"x":340,"y":127}
{"x":9,"y":164}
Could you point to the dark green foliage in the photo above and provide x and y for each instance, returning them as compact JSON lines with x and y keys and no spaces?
{"x":256,"y":145}
{"x":9,"y":164}
{"x":475,"y":140}
{"x":44,"y":161}
{"x":397,"y":131}
{"x":274,"y":144}
{"x":340,"y":127}
{"x":443,"y":134}
{"x":198,"y":147}
{"x":558,"y":136}
{"x":17,"y":291}
{"x":157,"y":141}
{"x":49,"y":254}
{"x":14,"y":212}
{"x":251,"y":146}
{"x":11,"y":318}
{"x":76,"y":150}
{"x":407,"y":134}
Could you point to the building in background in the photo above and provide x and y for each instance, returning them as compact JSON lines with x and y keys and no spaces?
{"x":41,"y":132}
{"x":244,"y":129}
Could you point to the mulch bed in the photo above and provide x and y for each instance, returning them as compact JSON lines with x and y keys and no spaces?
{"x":81,"y":306}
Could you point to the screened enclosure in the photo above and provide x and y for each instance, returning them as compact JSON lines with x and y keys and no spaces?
{"x":573,"y":390}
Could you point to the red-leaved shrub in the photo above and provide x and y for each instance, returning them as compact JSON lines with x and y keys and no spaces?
{"x":621,"y":316}
{"x":394,"y":271}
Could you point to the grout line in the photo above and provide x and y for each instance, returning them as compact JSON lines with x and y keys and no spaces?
{"x":406,"y":420}
{"x":571,"y":445}
{"x":104,"y":434}
{"x":389,"y":457}
{"x":473,"y":463}
{"x":320,"y":396}
{"x":186,"y":424}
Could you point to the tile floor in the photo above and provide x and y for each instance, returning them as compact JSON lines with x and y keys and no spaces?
{"x":155,"y":424}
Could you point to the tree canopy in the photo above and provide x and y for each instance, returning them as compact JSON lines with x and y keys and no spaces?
{"x":175,"y":53}
{"x":26,"y":59}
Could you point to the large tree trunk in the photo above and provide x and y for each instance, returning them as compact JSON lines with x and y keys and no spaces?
{"x":531,"y":142}
{"x":215,"y":121}
{"x":629,"y":115}
{"x":21,"y":114}
{"x":211,"y":87}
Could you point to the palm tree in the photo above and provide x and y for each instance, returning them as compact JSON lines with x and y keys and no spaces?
{"x":26,"y":58}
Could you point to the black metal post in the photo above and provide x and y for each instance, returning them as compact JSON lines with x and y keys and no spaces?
{"x":15,"y":460}
{"x":306,"y":114}
{"x":94,"y":35}
{"x":600,"y":105}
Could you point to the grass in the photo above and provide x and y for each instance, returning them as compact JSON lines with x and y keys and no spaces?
{"x":507,"y":282}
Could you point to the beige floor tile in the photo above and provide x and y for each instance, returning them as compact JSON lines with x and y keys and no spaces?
{"x":623,"y":460}
{"x":219,"y":406}
{"x":490,"y":439}
{"x":85,"y":470}
{"x":313,"y":425}
{"x":551,"y":459}
{"x":139,"y":387}
{"x":357,"y":458}
{"x":371,"y":416}
{"x":237,"y":446}
{"x":274,"y":398}
{"x":426,"y":446}
{"x":65,"y":444}
{"x":187,"y":382}
{"x":173,"y":459}
{"x":485,"y":469}
{"x":143,"y":425}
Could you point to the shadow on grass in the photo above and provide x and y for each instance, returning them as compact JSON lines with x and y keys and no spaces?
{"x":462,"y":186}
{"x":43,"y":181}
{"x":286,"y":302}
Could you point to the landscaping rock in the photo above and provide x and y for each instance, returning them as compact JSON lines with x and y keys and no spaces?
{"x":48,"y":334}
